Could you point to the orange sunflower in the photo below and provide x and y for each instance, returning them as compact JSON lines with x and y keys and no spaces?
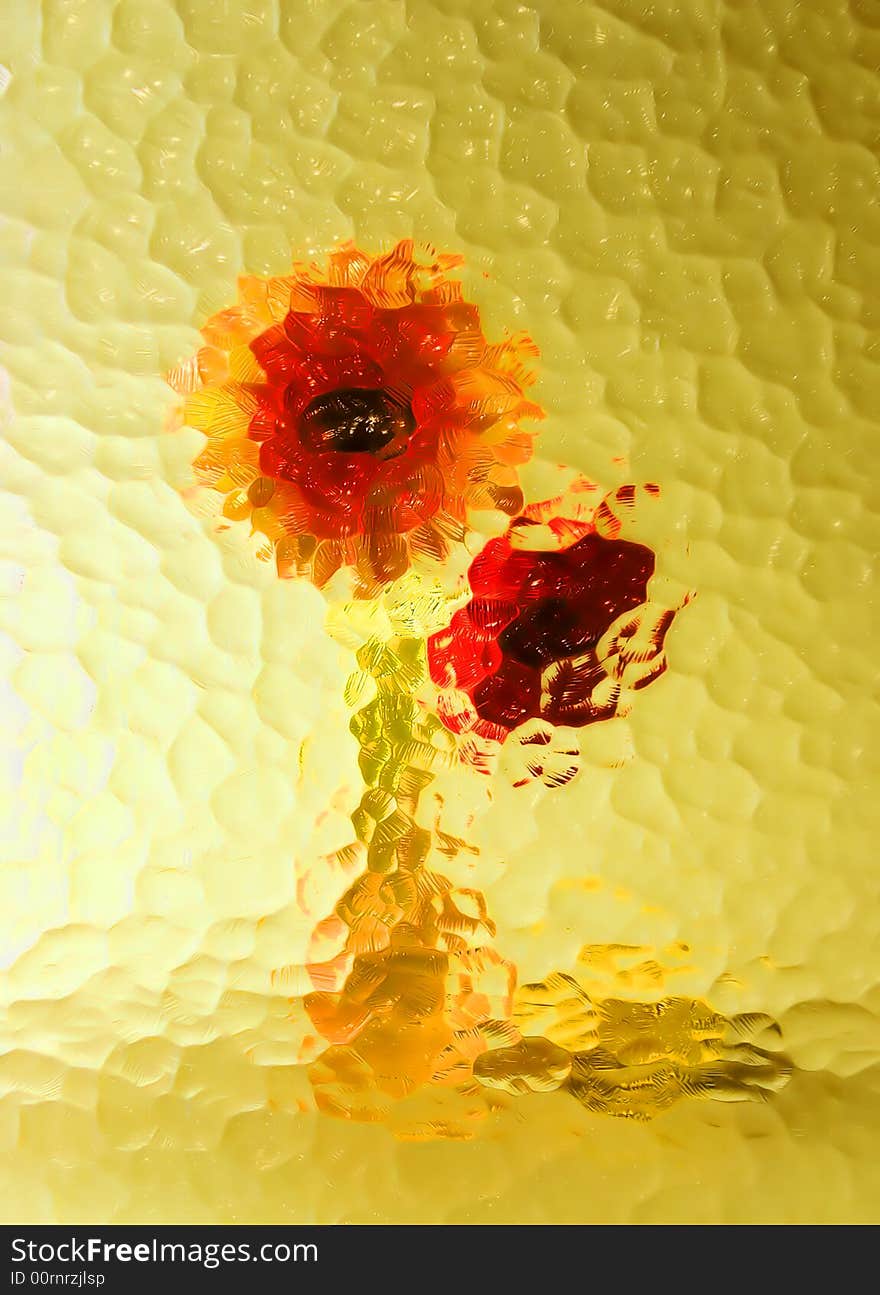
{"x":357,"y":414}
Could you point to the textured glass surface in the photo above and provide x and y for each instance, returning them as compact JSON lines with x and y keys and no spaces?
{"x":678,"y":203}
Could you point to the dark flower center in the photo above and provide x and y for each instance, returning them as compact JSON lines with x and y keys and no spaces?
{"x":354,"y":420}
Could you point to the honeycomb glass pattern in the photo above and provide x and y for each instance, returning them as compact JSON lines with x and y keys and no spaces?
{"x":358,"y":880}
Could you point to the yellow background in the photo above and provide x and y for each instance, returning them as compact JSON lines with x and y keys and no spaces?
{"x":680,"y":202}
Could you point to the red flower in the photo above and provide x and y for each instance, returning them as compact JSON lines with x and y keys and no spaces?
{"x":357,"y":414}
{"x":551,"y":632}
